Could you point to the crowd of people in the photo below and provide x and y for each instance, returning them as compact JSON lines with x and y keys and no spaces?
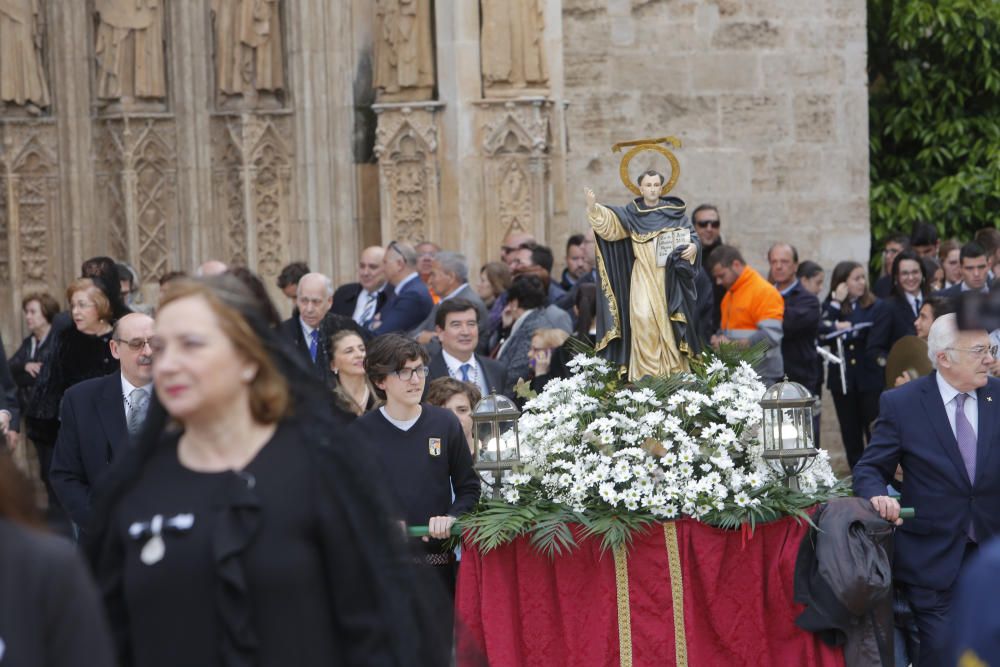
{"x":225,"y":422}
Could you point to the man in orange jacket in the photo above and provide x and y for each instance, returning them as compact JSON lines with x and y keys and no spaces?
{"x":752,"y":310}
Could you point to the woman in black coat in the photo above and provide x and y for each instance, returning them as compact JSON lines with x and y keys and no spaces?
{"x":910,"y":289}
{"x":852,"y":308}
{"x":241,"y":529}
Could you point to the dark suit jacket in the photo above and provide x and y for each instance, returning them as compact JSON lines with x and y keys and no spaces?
{"x":496,"y":374}
{"x":345,"y":299}
{"x":469,"y":295}
{"x":92,"y":433}
{"x":291,"y":331}
{"x":897,"y":322}
{"x":798,"y":344}
{"x":863,"y":370}
{"x":913,"y":430}
{"x":406,"y":309}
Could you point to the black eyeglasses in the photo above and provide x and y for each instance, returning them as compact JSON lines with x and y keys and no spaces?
{"x":136,"y":344}
{"x":715,"y":224}
{"x":406,"y":374}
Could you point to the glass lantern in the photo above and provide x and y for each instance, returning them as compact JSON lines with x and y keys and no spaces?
{"x":495,"y":438}
{"x":787,"y":430}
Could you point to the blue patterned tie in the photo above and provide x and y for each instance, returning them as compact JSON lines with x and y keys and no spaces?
{"x":966,"y":437}
{"x":465,"y":368}
{"x":313,"y":344}
{"x":369,"y":310}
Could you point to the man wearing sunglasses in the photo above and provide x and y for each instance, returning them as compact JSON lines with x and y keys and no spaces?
{"x":100,"y":417}
{"x":708,"y":226}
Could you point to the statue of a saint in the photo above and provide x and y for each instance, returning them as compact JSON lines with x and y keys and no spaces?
{"x":647,"y":258}
{"x":404,"y":56}
{"x":129,"y":49}
{"x":513,"y":53}
{"x":248,"y":51}
{"x":22,"y":73}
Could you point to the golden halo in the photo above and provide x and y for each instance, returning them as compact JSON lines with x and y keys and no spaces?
{"x":647,"y":145}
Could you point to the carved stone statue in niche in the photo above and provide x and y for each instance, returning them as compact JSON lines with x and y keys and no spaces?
{"x":22,"y":70}
{"x":404,"y":53}
{"x":249,"y":62}
{"x":129,"y":50}
{"x":512,"y":48}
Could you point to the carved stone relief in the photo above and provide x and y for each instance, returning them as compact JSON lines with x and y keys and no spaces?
{"x":252,"y":185}
{"x":249,"y":56}
{"x":129,"y":49}
{"x":23,"y":78}
{"x":406,"y":149}
{"x":515,"y":144}
{"x":29,"y":205}
{"x":137,"y":171}
{"x":404,"y":51}
{"x":512,"y":48}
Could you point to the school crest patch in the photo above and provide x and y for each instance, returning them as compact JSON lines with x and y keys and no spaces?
{"x":434,"y":446}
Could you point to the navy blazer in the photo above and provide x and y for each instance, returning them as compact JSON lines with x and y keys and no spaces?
{"x":798,"y":342}
{"x":93,"y":432}
{"x":406,"y":309}
{"x":345,"y":299}
{"x":913,"y":431}
{"x":898,"y":322}
{"x":863,"y":370}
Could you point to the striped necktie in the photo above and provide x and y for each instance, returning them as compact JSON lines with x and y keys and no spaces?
{"x":369,"y":311}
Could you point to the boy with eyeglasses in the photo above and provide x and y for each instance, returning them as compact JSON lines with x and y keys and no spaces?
{"x":421,"y":449}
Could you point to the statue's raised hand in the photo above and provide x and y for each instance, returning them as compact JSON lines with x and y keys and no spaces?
{"x":591,"y":199}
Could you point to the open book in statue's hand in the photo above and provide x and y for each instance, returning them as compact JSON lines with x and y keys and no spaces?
{"x":670,"y":240}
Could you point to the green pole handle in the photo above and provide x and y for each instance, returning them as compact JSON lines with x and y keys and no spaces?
{"x":424,"y":531}
{"x":907,"y":512}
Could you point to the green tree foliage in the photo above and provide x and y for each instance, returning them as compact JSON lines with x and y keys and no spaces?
{"x":934,"y":77}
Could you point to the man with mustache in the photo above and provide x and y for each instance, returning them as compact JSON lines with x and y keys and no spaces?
{"x":100,"y":417}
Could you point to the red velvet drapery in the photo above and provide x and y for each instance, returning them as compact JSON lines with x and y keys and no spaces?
{"x":518,"y":607}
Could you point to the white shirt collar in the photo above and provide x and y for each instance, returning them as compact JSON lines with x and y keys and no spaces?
{"x":912,"y":300}
{"x":455,"y":292}
{"x":306,"y":329}
{"x":128,"y":387}
{"x":948,"y":393}
{"x":454,"y":363}
{"x":984,"y":289}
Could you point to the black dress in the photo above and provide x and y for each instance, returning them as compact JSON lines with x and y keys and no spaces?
{"x":265,"y":575}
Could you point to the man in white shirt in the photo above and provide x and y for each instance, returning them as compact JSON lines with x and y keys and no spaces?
{"x":457,"y":328}
{"x":99,"y":417}
{"x":362,"y":300}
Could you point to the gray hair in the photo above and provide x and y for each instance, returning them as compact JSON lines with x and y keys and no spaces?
{"x":327,"y":283}
{"x":943,"y":335}
{"x":406,"y":251}
{"x":454,"y":263}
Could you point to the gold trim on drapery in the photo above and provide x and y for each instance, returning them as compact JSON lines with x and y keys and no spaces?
{"x":624,"y":610}
{"x":676,"y":591}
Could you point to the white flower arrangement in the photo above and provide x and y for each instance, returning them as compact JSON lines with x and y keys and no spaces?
{"x":588,"y":441}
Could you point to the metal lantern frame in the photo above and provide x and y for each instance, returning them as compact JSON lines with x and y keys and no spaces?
{"x":787,"y":430}
{"x":500,"y":415}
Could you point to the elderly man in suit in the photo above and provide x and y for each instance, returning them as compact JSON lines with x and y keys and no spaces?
{"x":99,"y":416}
{"x":456,"y":325}
{"x":449,"y":278}
{"x":362,"y":300}
{"x":944,"y":431}
{"x":310,"y":328}
{"x":412,"y":301}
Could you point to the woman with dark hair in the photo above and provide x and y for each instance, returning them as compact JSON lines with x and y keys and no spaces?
{"x":811,"y":275}
{"x":104,"y":272}
{"x":241,"y":530}
{"x":910,"y":288}
{"x":353,"y":394}
{"x":35,"y":352}
{"x":494,"y":281}
{"x":585,"y":309}
{"x":50,"y":611}
{"x":851,"y":311}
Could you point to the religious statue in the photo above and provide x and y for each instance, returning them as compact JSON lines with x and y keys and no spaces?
{"x":129,"y":49}
{"x":22,"y":72}
{"x":647,"y":259}
{"x":404,"y":56}
{"x":512,"y":49}
{"x":248,"y":48}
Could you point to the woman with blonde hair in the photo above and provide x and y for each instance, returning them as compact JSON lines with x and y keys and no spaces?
{"x":352,"y":392}
{"x":241,"y":530}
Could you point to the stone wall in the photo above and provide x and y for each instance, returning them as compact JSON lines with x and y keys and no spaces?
{"x":767,"y":96}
